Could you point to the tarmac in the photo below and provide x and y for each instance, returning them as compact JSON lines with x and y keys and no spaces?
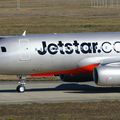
{"x":55,"y":92}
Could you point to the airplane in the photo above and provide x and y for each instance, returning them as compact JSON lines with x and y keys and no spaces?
{"x":75,"y":57}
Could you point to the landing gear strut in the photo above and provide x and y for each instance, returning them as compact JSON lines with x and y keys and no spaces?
{"x":21,"y":87}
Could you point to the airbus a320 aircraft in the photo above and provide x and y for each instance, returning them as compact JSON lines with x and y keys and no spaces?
{"x":74,"y":57}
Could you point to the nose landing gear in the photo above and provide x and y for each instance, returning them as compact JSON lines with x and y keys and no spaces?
{"x":21,"y":87}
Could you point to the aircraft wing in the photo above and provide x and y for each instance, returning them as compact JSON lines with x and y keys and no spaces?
{"x":100,"y":61}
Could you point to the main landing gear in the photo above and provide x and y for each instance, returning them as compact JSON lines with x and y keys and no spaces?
{"x":21,"y":87}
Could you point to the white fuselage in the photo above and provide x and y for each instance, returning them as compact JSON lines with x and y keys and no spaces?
{"x":56,"y":52}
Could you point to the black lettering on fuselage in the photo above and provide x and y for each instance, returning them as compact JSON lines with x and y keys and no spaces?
{"x":94,"y":47}
{"x":78,"y":48}
{"x":68,"y":48}
{"x":43,"y":51}
{"x":86,"y":48}
{"x":52,"y":48}
{"x":60,"y":44}
{"x":76,"y":44}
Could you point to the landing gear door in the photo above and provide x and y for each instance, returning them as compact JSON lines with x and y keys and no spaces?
{"x":24,"y":49}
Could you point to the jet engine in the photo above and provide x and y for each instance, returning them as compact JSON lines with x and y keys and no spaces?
{"x":77,"y":78}
{"x":107,"y":75}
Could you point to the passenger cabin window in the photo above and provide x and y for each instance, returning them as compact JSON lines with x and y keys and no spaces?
{"x":3,"y":49}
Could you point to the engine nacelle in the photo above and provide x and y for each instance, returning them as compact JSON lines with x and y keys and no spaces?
{"x":107,"y":75}
{"x":77,"y":78}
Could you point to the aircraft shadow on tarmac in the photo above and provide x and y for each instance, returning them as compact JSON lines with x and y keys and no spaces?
{"x":77,"y":88}
{"x":72,"y":88}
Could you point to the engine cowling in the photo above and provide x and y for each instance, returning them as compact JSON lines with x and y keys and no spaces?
{"x":107,"y":75}
{"x":77,"y":78}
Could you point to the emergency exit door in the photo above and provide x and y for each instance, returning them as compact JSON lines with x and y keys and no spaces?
{"x":24,"y":49}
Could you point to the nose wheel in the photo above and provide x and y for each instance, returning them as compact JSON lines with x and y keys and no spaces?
{"x":21,"y":87}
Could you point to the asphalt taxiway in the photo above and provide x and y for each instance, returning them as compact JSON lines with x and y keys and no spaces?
{"x":56,"y":91}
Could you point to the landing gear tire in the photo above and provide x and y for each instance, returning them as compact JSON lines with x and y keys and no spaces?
{"x":20,"y":88}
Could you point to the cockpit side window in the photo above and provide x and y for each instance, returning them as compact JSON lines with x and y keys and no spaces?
{"x":3,"y":49}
